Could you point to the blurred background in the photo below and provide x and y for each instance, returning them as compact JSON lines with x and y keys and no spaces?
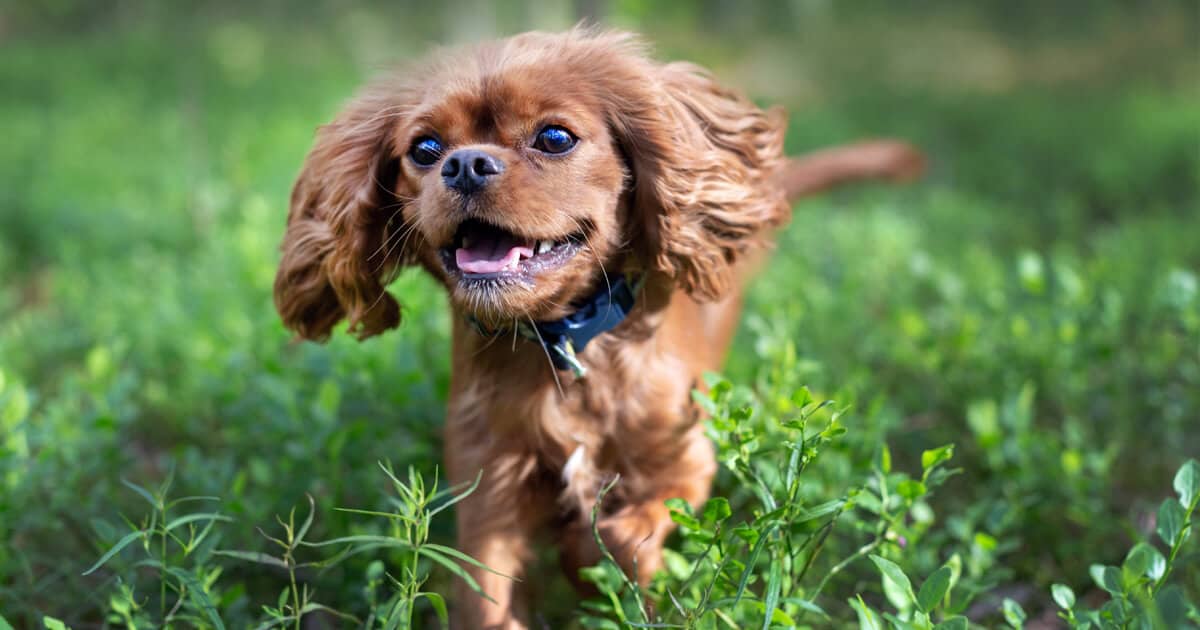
{"x":1035,"y":300}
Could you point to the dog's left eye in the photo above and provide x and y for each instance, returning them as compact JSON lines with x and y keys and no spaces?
{"x":554,"y":139}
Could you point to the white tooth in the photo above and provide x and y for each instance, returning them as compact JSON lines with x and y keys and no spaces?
{"x":544,"y":247}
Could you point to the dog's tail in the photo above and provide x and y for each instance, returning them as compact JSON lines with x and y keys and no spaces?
{"x":886,"y":160}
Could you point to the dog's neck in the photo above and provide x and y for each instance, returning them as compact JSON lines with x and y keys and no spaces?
{"x":564,"y":339}
{"x":625,"y":309}
{"x":508,"y":386}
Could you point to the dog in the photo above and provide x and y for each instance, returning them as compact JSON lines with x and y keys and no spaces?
{"x":593,"y":216}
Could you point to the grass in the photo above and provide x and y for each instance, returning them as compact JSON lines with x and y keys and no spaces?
{"x":1035,"y":303}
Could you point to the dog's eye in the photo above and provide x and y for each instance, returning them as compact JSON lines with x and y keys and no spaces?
{"x":554,"y":139}
{"x":425,"y":151}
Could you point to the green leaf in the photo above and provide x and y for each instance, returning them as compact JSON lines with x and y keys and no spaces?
{"x":1063,"y":596}
{"x":190,"y":499}
{"x":252,"y":556}
{"x":958,"y":622}
{"x":754,"y":552}
{"x":54,"y":624}
{"x":312,"y":510}
{"x":678,"y":505}
{"x":705,"y":403}
{"x":121,"y":544}
{"x":468,"y":491}
{"x":603,"y":575}
{"x":833,"y":430}
{"x":802,"y":397}
{"x":454,"y":568}
{"x":684,"y":520}
{"x":911,"y":489}
{"x":191,"y":518}
{"x":817,"y":511}
{"x":985,"y":541}
{"x":1187,"y":483}
{"x":885,"y":459}
{"x":746,"y":533}
{"x":198,"y":595}
{"x":1114,"y":610}
{"x":144,"y":493}
{"x":454,"y":553}
{"x":1173,"y":606}
{"x":1170,"y":521}
{"x":934,"y":589}
{"x":598,"y":623}
{"x":716,"y":510}
{"x":681,"y":513}
{"x":1158,"y":565}
{"x":1141,"y":560}
{"x":809,"y":606}
{"x":361,"y":539}
{"x":892,"y":571}
{"x":936,"y":456}
{"x":315,"y":607}
{"x":867,"y":619}
{"x":774,"y":584}
{"x":4,"y":625}
{"x":1013,"y":613}
{"x":1107,"y":578}
{"x":439,"y":607}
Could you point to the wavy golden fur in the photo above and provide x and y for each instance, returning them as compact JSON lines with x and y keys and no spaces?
{"x":671,"y":177}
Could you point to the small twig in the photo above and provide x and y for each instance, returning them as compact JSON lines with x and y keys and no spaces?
{"x":837,"y":568}
{"x":633,"y":586}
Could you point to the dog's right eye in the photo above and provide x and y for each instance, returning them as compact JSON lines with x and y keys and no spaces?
{"x":426,"y":151}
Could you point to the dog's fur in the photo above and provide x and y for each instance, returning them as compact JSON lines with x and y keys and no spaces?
{"x":674,"y":178}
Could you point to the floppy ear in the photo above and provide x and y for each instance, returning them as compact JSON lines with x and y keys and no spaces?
{"x":333,"y":264}
{"x":705,"y":163}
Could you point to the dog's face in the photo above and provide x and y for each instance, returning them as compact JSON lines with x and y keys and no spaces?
{"x":515,"y":186}
{"x":519,"y":173}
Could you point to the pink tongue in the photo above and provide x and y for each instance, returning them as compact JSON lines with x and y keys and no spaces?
{"x":487,"y":257}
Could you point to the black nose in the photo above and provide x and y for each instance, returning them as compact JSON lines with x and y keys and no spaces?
{"x":469,"y":170}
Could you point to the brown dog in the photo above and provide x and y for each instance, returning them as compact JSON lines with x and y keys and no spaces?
{"x":565,"y":189}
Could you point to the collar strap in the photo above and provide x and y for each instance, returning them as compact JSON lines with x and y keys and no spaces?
{"x":563,"y":339}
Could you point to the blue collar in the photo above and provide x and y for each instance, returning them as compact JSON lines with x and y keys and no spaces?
{"x":563,"y":339}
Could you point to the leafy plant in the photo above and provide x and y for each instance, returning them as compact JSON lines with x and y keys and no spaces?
{"x":393,"y":605}
{"x":414,"y":508}
{"x":1140,"y":594}
{"x":750,"y":560}
{"x":176,"y":547}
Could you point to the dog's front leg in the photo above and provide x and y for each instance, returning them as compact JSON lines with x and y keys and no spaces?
{"x":634,"y":533}
{"x":495,"y":524}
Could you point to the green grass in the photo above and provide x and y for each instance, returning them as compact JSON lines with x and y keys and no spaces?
{"x":1035,"y":302}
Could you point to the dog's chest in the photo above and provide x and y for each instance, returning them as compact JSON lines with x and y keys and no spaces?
{"x":621,"y":418}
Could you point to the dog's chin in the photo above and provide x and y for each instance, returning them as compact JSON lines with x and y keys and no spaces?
{"x":500,"y":305}
{"x":498,"y":275}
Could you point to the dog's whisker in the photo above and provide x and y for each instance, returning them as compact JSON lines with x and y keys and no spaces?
{"x":388,"y":234}
{"x":587,"y":244}
{"x":491,"y":340}
{"x":400,"y":243}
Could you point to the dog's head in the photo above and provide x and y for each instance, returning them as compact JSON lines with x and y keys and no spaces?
{"x":520,"y":172}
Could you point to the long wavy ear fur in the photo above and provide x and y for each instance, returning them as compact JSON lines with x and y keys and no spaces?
{"x":333,"y":264}
{"x":705,"y":163}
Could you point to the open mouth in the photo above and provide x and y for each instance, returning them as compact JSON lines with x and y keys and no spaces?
{"x":482,"y":251}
